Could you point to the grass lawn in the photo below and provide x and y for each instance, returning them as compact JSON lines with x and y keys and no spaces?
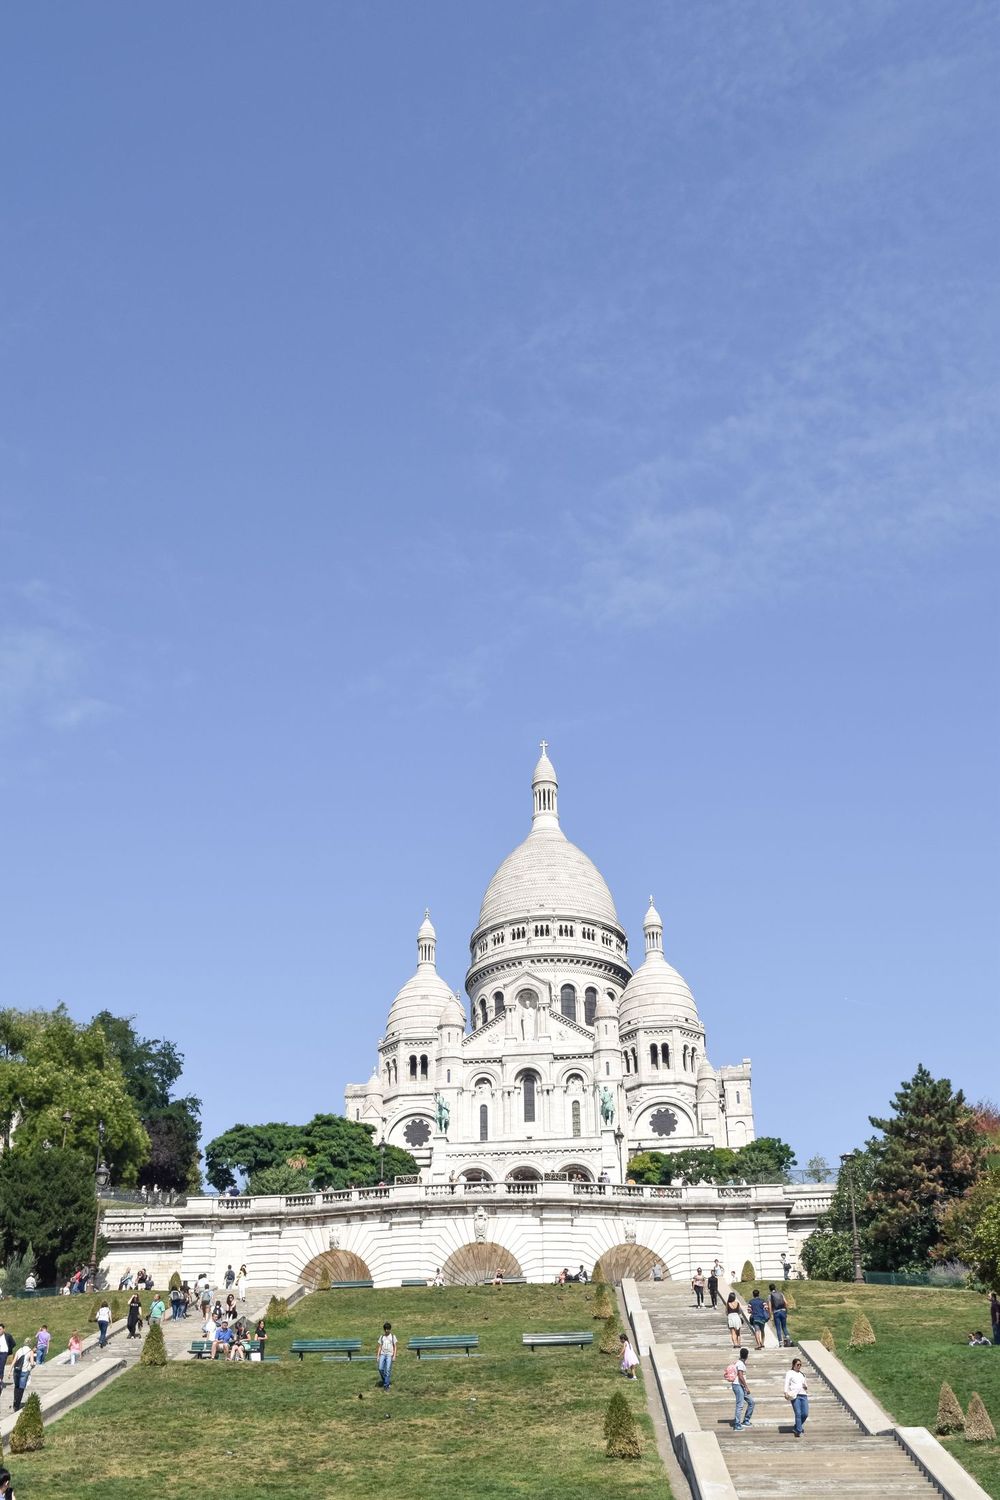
{"x":920,"y":1333}
{"x":62,"y":1315}
{"x":508,"y":1423}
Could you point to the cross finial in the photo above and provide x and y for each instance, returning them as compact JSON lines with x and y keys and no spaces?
{"x":650,"y":900}
{"x":545,"y":746}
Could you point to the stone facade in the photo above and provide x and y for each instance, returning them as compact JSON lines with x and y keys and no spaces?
{"x":567,"y":1062}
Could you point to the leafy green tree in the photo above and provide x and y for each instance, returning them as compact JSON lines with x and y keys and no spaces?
{"x":818,"y":1169}
{"x":767,"y":1159}
{"x":63,"y":1084}
{"x":29,"y":1431}
{"x":649,"y":1167}
{"x":338,"y":1153}
{"x":930,"y":1153}
{"x":280,"y":1179}
{"x":826,"y":1256}
{"x":150,"y":1069}
{"x":47,"y":1200}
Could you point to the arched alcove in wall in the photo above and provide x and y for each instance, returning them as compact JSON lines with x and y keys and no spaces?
{"x":337,"y":1265}
{"x":478,"y":1262}
{"x":636,"y":1261}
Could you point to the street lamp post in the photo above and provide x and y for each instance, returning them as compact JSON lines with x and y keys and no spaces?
{"x":847,"y":1159}
{"x":101,"y":1179}
{"x":67,"y":1116}
{"x":381,"y":1152}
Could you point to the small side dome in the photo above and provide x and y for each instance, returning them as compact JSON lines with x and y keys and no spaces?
{"x":606,"y":1009}
{"x":452,"y":1014}
{"x":656,"y":993}
{"x":706,"y":1071}
{"x":374,"y":1084}
{"x":417,"y":1007}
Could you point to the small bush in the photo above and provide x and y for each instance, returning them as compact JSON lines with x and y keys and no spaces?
{"x":827,"y":1340}
{"x":29,"y":1432}
{"x":154,"y":1350}
{"x":598,"y":1277}
{"x":862,"y":1334}
{"x":620,"y":1429}
{"x":609,"y":1342}
{"x":174,"y":1284}
{"x":604,"y":1307}
{"x":978,"y":1427}
{"x":324,"y":1282}
{"x":748,"y":1273}
{"x":949,"y":1413}
{"x":278,"y":1314}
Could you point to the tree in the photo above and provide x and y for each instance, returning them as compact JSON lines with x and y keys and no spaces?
{"x":930,"y":1152}
{"x":978,"y":1426}
{"x":620,"y":1430}
{"x":280,"y":1179}
{"x":827,"y":1256}
{"x":154,"y":1350}
{"x":62,"y":1083}
{"x":818,"y":1169}
{"x":767,"y":1159}
{"x":150,"y":1069}
{"x":649,"y":1167}
{"x":862,"y":1333}
{"x":338,"y":1152}
{"x":47,"y":1200}
{"x":950,"y":1417}
{"x":965,"y":1232}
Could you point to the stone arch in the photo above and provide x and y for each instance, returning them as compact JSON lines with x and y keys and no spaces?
{"x":576,"y":1170}
{"x":636,"y":1261}
{"x":471,"y":1264}
{"x":335,"y":1265}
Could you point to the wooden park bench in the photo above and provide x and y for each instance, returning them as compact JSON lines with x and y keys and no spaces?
{"x":345,"y":1348}
{"x":351,"y":1286}
{"x":556,"y":1340}
{"x":202,"y":1347}
{"x":414,"y":1281}
{"x":445,"y":1346}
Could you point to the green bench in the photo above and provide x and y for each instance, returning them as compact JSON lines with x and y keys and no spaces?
{"x":345,"y":1348}
{"x":414,"y":1281}
{"x":445,"y":1346}
{"x":556,"y":1340}
{"x":201,"y":1347}
{"x":350,"y":1286}
{"x":507,"y":1281}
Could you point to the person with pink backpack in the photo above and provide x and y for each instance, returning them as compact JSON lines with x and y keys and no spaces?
{"x":735,"y":1376}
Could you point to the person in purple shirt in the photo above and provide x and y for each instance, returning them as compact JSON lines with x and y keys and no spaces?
{"x":42,"y":1340}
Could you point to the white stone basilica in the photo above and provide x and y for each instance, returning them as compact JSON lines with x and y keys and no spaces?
{"x":573,"y":1062}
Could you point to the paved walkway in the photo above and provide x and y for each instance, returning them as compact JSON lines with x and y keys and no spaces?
{"x":765,"y":1461}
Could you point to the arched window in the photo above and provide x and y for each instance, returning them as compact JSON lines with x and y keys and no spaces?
{"x":654,"y":1055}
{"x":694,"y":1057}
{"x":484,"y":1123}
{"x":628,"y":1063}
{"x":589,"y":1006}
{"x":528,"y":1081}
{"x":635,"y":1061}
{"x":423,"y":1064}
{"x":483,"y":1017}
{"x":685,"y":1056}
{"x":567,"y":1002}
{"x":665,"y":1054}
{"x":413,"y":1065}
{"x":448,"y":1076}
{"x":498,"y":1003}
{"x":575,"y":1113}
{"x":607,"y":1069}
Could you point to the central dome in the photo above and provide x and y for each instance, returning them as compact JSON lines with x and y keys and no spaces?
{"x":546,"y":873}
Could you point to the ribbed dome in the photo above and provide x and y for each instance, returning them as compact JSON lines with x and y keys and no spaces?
{"x":452,"y":1013}
{"x":547,"y":874}
{"x":655,"y":995}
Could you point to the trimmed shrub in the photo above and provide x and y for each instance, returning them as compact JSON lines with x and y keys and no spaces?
{"x":620,"y":1429}
{"x":609,"y":1343}
{"x":324,"y":1282}
{"x":950,"y":1417}
{"x":154,"y":1350}
{"x":598,"y":1277}
{"x":748,"y":1273}
{"x":827,"y":1340}
{"x":278,"y":1314}
{"x":978,"y":1427}
{"x":29,"y":1432}
{"x":174,"y":1284}
{"x":862,"y":1334}
{"x":604,"y":1307}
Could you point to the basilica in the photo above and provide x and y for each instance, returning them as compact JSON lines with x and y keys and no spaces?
{"x":567,"y":1062}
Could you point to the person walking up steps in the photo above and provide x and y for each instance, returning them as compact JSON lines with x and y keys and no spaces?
{"x":734,"y":1319}
{"x":779,"y":1311}
{"x":736,"y":1378}
{"x":385,"y":1353}
{"x":103,"y":1321}
{"x":758,"y":1317}
{"x":241,"y":1284}
{"x":797,"y":1392}
{"x":23,"y":1363}
{"x":698,"y":1284}
{"x":713,"y":1286}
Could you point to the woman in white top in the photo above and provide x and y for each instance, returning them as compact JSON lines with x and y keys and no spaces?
{"x":796,"y":1391}
{"x":241,"y":1284}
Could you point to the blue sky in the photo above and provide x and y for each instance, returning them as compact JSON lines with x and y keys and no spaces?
{"x":384,"y":388}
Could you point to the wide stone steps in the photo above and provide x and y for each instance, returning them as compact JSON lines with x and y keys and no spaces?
{"x":765,"y":1461}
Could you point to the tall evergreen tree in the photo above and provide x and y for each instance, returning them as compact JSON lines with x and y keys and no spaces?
{"x":929,"y":1153}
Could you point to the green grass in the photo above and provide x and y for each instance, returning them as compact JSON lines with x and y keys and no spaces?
{"x":921,"y":1334}
{"x":509,"y":1423}
{"x":62,"y":1315}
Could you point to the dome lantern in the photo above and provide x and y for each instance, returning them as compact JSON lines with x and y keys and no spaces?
{"x":426,"y":942}
{"x":545,"y":792}
{"x":653,"y":929}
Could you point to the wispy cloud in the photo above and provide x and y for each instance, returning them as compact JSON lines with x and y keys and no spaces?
{"x":45,"y":672}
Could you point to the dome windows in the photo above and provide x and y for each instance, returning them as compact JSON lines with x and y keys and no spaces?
{"x":518,"y":934}
{"x":543,"y":929}
{"x":566,"y":929}
{"x":498,"y":1003}
{"x":567,"y":1002}
{"x":588,"y":934}
{"x":590,"y":1005}
{"x":654,"y":1055}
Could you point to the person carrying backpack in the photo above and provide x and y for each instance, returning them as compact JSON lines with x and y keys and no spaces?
{"x":779,"y":1312}
{"x":759,"y":1316}
{"x":735,"y":1376}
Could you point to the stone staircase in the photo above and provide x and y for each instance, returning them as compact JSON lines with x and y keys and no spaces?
{"x":765,"y":1461}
